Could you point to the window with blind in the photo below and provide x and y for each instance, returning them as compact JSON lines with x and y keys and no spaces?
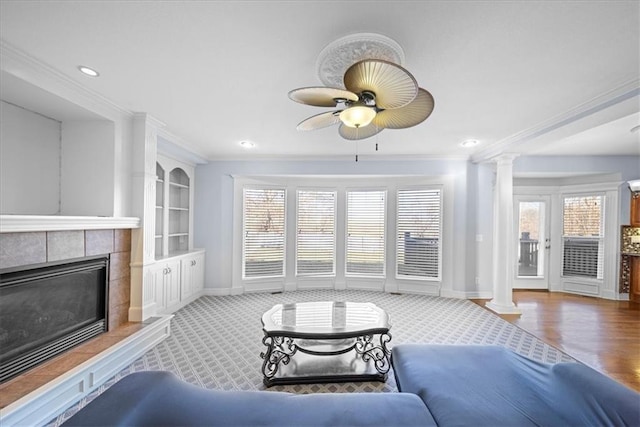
{"x":583,"y":236}
{"x":365,"y":233}
{"x":316,"y":233}
{"x":263,"y":248}
{"x":419,"y":232}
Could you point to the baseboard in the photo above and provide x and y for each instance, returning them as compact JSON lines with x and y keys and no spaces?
{"x":219,"y":292}
{"x":607,"y":294}
{"x":446,"y":293}
{"x":450,"y":293}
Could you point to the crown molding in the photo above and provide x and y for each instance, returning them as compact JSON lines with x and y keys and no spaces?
{"x":149,"y":119}
{"x":623,"y":92}
{"x":182,"y":149}
{"x":30,"y":69}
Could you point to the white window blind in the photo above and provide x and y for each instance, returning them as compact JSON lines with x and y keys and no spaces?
{"x":315,"y":237}
{"x":583,"y":236}
{"x":263,"y":232}
{"x":419,"y":234}
{"x":365,"y":233}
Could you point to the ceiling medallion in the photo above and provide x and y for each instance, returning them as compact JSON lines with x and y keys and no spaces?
{"x":338,"y":56}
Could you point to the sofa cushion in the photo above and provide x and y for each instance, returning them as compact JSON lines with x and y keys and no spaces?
{"x":157,"y":398}
{"x":493,"y":386}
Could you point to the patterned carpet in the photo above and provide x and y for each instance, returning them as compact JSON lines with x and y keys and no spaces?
{"x":216,"y":342}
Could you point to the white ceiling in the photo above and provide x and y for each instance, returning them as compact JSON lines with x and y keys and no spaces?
{"x":533,"y":77}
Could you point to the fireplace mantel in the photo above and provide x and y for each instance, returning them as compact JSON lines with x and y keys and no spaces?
{"x":28,"y":223}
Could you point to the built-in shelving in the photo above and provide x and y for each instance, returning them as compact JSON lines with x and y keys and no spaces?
{"x":173,"y":208}
{"x":179,"y":196}
{"x":159,"y":233}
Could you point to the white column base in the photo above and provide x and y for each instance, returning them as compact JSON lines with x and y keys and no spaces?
{"x":503,"y":309}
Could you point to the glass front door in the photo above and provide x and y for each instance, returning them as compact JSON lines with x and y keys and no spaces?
{"x":533,"y":243}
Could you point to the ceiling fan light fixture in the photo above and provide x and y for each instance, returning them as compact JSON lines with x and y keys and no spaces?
{"x":357,"y":116}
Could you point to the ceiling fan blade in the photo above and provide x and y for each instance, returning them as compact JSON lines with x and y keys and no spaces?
{"x":321,"y":96}
{"x":320,"y":121}
{"x":411,"y":114}
{"x":393,"y":86}
{"x":358,"y":133}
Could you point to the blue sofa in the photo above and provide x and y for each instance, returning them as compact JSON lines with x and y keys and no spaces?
{"x":440,"y":385}
{"x":493,"y":386}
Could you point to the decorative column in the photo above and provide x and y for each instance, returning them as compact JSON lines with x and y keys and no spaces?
{"x":145,"y":133}
{"x":503,"y":238}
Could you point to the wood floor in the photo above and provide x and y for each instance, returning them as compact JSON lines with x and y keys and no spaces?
{"x":601,"y":333}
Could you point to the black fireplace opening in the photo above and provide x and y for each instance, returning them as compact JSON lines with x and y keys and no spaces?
{"x":49,"y":308}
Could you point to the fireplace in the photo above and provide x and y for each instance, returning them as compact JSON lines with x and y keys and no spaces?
{"x":46,"y":309}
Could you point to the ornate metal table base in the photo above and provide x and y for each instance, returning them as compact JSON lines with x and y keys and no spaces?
{"x":290,"y":360}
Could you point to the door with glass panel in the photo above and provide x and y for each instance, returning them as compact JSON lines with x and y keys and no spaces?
{"x":532,"y":245}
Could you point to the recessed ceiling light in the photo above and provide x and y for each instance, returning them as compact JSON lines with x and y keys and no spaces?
{"x":88,"y":71}
{"x":247,"y":144}
{"x":469,"y":143}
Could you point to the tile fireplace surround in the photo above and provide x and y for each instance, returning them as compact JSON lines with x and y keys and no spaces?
{"x":41,"y":393}
{"x":17,"y":249}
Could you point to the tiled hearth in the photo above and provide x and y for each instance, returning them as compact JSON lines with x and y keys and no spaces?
{"x":24,"y":384}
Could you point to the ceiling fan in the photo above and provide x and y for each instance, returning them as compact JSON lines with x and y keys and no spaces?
{"x":379,"y":95}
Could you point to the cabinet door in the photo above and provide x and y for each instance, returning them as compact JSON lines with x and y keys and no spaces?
{"x":187,"y":278}
{"x":158,"y":274}
{"x":172,"y":283}
{"x":192,"y":275}
{"x":198,"y":273}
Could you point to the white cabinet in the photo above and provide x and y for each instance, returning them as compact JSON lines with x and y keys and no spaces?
{"x":166,"y":280}
{"x":177,"y":281}
{"x":176,"y":269}
{"x":192,"y":269}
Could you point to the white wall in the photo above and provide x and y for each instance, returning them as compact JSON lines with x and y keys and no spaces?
{"x":213,"y":216}
{"x":87,"y":176}
{"x":74,"y":167}
{"x":472,"y":212}
{"x":627,"y":166}
{"x":29,"y":162}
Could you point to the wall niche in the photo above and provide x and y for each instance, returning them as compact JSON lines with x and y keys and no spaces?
{"x":55,"y":160}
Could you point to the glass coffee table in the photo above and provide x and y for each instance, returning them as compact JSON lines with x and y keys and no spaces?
{"x":319,"y":342}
